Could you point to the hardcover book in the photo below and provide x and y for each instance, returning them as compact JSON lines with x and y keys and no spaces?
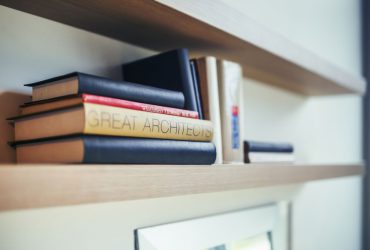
{"x":169,"y":70}
{"x":268,"y":152}
{"x":115,"y":150}
{"x":258,"y":146}
{"x":208,"y":88}
{"x":90,"y":118}
{"x":266,"y":157}
{"x":229,"y":79}
{"x":78,"y":83}
{"x":73,"y":100}
{"x":195,"y":75}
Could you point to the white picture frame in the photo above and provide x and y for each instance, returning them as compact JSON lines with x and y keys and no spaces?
{"x":211,"y":231}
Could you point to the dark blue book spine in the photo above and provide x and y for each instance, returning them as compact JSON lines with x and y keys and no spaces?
{"x":169,"y":70}
{"x":187,"y":83}
{"x":90,"y":84}
{"x":130,"y":91}
{"x":123,"y":150}
{"x":196,"y":89}
{"x":255,"y":146}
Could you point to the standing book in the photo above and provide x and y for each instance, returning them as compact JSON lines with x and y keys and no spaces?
{"x":208,"y":88}
{"x":195,"y":76}
{"x":229,"y":79}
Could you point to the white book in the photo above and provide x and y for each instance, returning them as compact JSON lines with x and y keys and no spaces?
{"x":208,"y":86}
{"x":267,"y":157}
{"x":229,"y":81}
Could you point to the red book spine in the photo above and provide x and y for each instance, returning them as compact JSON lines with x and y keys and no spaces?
{"x":138,"y":106}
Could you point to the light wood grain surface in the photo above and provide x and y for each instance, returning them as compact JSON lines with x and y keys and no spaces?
{"x":35,"y":186}
{"x":207,"y":27}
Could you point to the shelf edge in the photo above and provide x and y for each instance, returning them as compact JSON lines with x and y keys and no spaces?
{"x":23,"y":187}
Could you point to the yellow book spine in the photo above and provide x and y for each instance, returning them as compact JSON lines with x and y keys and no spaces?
{"x":107,"y":120}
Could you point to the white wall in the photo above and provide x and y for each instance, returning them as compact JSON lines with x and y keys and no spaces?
{"x":111,"y":225}
{"x":329,"y":28}
{"x":34,"y":48}
{"x":326,"y":214}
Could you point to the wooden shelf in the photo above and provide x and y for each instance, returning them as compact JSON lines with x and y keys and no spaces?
{"x":35,"y":186}
{"x":208,"y":28}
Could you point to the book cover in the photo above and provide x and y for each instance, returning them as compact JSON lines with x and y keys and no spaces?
{"x":90,"y":118}
{"x":208,"y":88}
{"x":267,"y":157}
{"x":195,"y":76}
{"x":78,"y":83}
{"x":115,"y":150}
{"x":229,"y":79}
{"x":168,"y":70}
{"x":66,"y":101}
{"x":258,"y":146}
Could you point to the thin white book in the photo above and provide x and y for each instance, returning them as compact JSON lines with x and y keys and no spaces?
{"x":229,"y":81}
{"x":267,"y":157}
{"x":208,"y":86}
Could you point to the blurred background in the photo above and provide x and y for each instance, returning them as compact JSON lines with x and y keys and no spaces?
{"x":324,"y":215}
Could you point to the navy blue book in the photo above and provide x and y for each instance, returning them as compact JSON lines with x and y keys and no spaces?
{"x":198,"y":99}
{"x":80,"y":83}
{"x":115,"y":150}
{"x":168,"y":70}
{"x":267,"y":147}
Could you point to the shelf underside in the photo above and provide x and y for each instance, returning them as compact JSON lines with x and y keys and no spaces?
{"x":207,"y":28}
{"x":35,"y":186}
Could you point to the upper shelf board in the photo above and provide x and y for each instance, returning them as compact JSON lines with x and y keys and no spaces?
{"x":207,"y":27}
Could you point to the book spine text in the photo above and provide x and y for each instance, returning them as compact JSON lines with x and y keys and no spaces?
{"x":108,"y":120}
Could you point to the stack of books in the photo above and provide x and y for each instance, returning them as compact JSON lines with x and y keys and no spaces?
{"x":268,"y":152}
{"x":152,"y":117}
{"x":167,"y":110}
